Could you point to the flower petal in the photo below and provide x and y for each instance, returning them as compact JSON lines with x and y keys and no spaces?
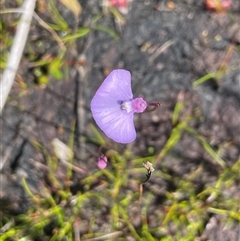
{"x":116,"y":123}
{"x":116,"y":87}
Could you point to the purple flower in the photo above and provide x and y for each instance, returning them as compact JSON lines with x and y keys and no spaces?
{"x":102,"y":162}
{"x":113,"y":107}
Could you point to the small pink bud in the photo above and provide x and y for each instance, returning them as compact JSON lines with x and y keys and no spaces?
{"x":102,"y":162}
{"x":218,"y":5}
{"x":139,"y":105}
{"x":119,"y":3}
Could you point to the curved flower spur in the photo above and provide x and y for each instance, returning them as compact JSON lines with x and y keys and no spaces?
{"x":113,"y":107}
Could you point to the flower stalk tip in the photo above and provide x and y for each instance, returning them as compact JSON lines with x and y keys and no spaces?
{"x":148,"y":165}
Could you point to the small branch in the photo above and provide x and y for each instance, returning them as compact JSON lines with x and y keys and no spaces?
{"x":41,"y":22}
{"x":160,"y":50}
{"x":16,"y":51}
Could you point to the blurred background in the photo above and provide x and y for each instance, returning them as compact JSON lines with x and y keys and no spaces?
{"x":184,"y":54}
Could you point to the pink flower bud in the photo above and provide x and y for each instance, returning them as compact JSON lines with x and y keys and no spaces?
{"x":102,"y":162}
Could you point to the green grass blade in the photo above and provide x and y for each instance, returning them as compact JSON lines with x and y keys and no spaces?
{"x":206,"y":146}
{"x":178,"y":107}
{"x":205,"y":78}
{"x":116,"y":15}
{"x":80,"y":33}
{"x":107,"y":30}
{"x":57,"y":16}
{"x":100,"y":140}
{"x":172,"y":141}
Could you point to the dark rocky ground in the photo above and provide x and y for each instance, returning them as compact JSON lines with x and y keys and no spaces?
{"x":166,"y":50}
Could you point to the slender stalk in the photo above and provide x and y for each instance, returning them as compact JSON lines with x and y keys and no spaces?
{"x":16,"y":51}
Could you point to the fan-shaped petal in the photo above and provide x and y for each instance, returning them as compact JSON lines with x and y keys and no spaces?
{"x":106,"y":109}
{"x":116,"y":87}
{"x":115,"y":123}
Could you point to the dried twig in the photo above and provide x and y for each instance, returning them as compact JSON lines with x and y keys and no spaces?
{"x":107,"y":236}
{"x":16,"y":51}
{"x":160,"y":50}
